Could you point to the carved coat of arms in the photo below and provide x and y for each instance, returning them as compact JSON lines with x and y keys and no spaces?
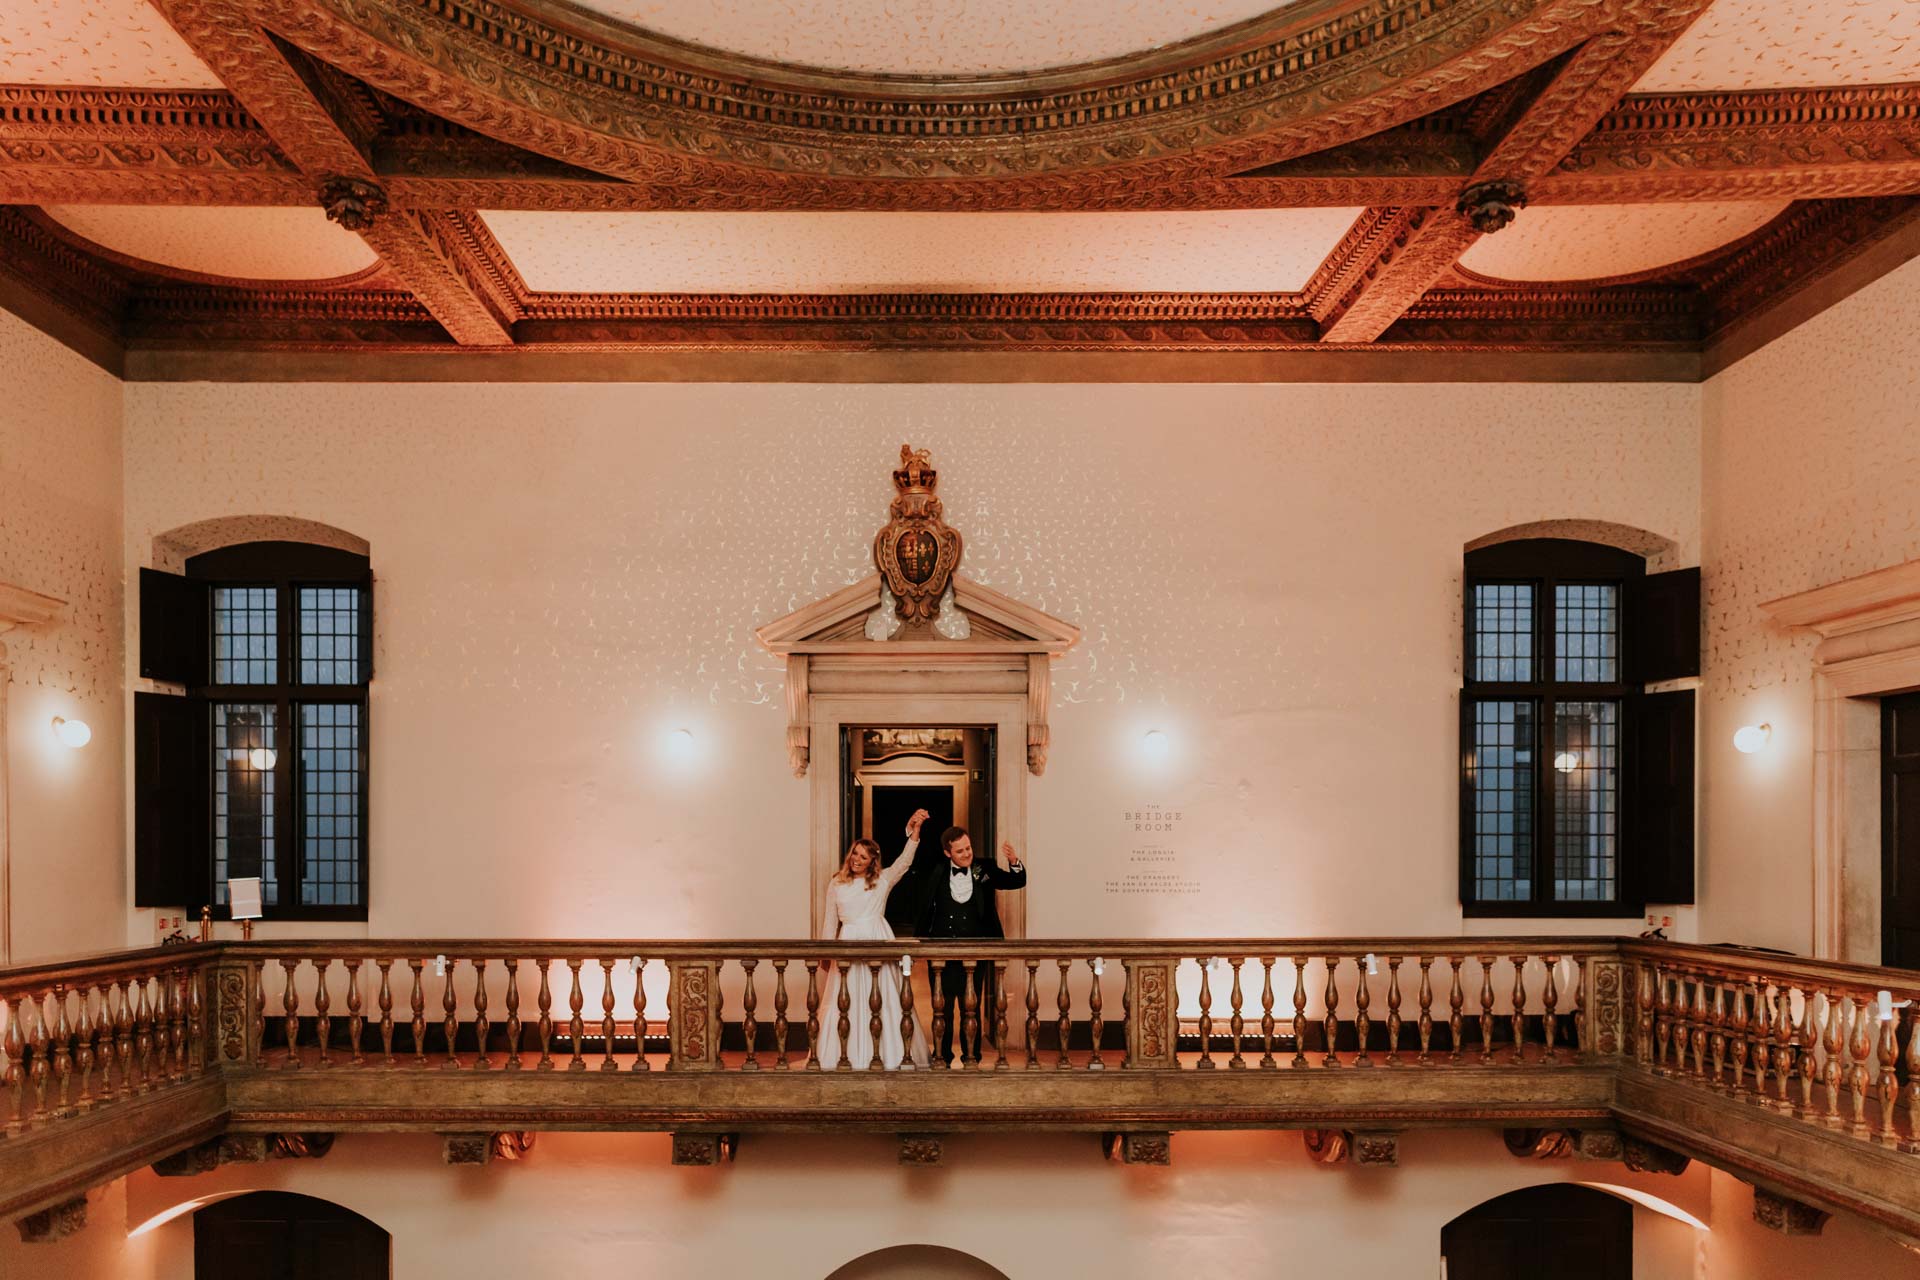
{"x":916,"y":553}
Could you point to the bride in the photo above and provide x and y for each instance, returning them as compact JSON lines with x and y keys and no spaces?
{"x":857,"y":902}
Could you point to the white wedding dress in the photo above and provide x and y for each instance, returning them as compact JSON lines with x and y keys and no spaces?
{"x":860,"y":910}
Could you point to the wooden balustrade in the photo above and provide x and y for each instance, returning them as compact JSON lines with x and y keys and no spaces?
{"x":79,"y":1037}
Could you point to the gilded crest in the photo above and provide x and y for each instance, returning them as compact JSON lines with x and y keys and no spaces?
{"x":916,"y":553}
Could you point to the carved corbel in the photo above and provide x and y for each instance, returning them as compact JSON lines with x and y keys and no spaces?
{"x":920,"y":1149}
{"x":1376,"y":1148}
{"x":56,"y":1223}
{"x":797,"y":713}
{"x":353,"y":203}
{"x":299,"y":1146}
{"x":1490,"y":206}
{"x":1151,"y":1147}
{"x":1646,"y":1157}
{"x":1039,"y":694}
{"x":1597,"y":1144}
{"x":1326,"y":1146}
{"x":1788,"y":1217}
{"x":704,"y":1148}
{"x":1539,"y":1144}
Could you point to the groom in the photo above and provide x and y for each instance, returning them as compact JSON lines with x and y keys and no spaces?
{"x":960,"y":904}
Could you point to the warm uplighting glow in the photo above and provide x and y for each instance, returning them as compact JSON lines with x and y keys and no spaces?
{"x":72,"y":733}
{"x":681,"y":741}
{"x":1157,"y":745}
{"x":1566,"y":762}
{"x":262,"y":758}
{"x":1751,"y":737}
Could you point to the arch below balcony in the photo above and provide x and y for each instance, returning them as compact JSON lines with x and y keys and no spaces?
{"x":917,"y":1262}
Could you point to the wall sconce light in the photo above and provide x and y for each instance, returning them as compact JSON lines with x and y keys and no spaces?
{"x":262,"y":758}
{"x":1156,"y":745}
{"x":681,"y":740}
{"x":1749,"y":738}
{"x":72,"y":733}
{"x":1566,"y":762}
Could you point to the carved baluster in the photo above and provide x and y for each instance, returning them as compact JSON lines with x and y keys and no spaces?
{"x":260,"y":1009}
{"x":1886,"y":1084}
{"x":576,"y":1025}
{"x":1912,"y":1059}
{"x":1206,"y":1017}
{"x":103,"y":1024}
{"x":1330,"y":1021}
{"x":1578,"y":999}
{"x":1299,"y":1012}
{"x":780,"y":1012}
{"x":1096,"y":1026}
{"x":1737,"y":1038}
{"x":1064,"y":1002}
{"x":482,"y":1026}
{"x":813,"y":1014}
{"x":1860,"y":1048}
{"x":1425,"y":998}
{"x":1717,"y":1033}
{"x":1662,"y":1020}
{"x":1701,"y":1024}
{"x":1393,"y":1010}
{"x":640,"y":1062}
{"x":355,"y":1022}
{"x":544,"y":1003}
{"x":169,"y":1034}
{"x":1456,"y":1001}
{"x":607,"y":1000}
{"x":385,"y":1003}
{"x":123,"y":1023}
{"x":1834,"y":1071}
{"x":196,"y":1021}
{"x":62,"y":1054}
{"x":1267,"y":1061}
{"x":41,"y":1046}
{"x":289,"y":1012}
{"x":84,"y":1029}
{"x":1808,"y":1047}
{"x":1550,"y":1011}
{"x":419,"y":1007}
{"x":1519,"y":1010}
{"x":1000,"y":1062}
{"x":1236,"y":1024}
{"x":1033,"y":1015}
{"x":12,"y":1050}
{"x":322,"y":1002}
{"x":874,"y":1024}
{"x":1362,"y":1000}
{"x":845,"y":1002}
{"x":450,"y":1013}
{"x":750,"y":1028}
{"x":1643,"y":1003}
{"x":514,"y":1027}
{"x":936,"y":979}
{"x":1486,"y":1008}
{"x":906,"y":1024}
{"x":1764,"y":1016}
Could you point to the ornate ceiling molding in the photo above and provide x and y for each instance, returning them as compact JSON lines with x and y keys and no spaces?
{"x":612,"y":99}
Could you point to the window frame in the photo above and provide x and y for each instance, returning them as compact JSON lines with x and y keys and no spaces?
{"x":1544,"y":564}
{"x":286,"y":567}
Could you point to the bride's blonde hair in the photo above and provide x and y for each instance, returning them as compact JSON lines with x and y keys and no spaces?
{"x":844,"y":876}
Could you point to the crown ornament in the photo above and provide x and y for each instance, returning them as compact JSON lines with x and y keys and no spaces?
{"x":917,"y":552}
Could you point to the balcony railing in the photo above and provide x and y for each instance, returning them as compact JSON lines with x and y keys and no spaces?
{"x":1802,"y":1075}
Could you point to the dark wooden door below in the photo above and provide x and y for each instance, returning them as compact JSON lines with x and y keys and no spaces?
{"x":1569,"y":1233}
{"x":276,"y":1235}
{"x":1900,"y":831}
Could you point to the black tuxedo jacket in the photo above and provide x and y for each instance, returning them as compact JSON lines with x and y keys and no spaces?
{"x":939,"y":916}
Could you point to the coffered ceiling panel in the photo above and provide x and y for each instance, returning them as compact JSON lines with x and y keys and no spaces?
{"x":96,"y":42}
{"x":932,"y":37}
{"x":1582,"y":242}
{"x":1266,"y":250}
{"x":246,"y":244}
{"x":1781,"y":44}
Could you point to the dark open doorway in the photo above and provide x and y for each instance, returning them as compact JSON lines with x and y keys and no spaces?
{"x":1900,"y":831}
{"x":888,"y":771}
{"x":277,"y":1235}
{"x":1568,"y":1232}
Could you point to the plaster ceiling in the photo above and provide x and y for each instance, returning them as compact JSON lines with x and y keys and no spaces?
{"x":247,"y":244}
{"x":95,"y":42}
{"x":1588,"y":242}
{"x":1240,"y":250}
{"x":1783,"y":44}
{"x":933,"y":37}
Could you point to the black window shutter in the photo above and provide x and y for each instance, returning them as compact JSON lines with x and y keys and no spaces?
{"x":171,"y":846}
{"x":366,"y":629}
{"x":1659,"y":799}
{"x":173,"y":628}
{"x":1663,"y":642}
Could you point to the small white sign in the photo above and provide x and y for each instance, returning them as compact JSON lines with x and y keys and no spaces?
{"x":244,"y":893}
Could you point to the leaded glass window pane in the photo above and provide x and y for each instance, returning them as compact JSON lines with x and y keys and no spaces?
{"x":1586,"y":801}
{"x":1503,"y":799}
{"x":1586,"y":632}
{"x":245,"y":750}
{"x":246,"y":636}
{"x":329,"y":635}
{"x":330,"y":784}
{"x":1503,"y":632}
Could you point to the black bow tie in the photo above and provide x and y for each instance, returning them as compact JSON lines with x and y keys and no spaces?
{"x":961,"y":871}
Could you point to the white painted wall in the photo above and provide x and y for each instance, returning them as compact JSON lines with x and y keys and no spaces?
{"x":60,"y":536}
{"x":1811,"y":474}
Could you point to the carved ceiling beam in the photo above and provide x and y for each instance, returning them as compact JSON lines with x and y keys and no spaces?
{"x":283,"y":91}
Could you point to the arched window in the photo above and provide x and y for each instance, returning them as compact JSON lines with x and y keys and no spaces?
{"x":261,"y":769}
{"x":1576,"y":786}
{"x":1572,"y":1233}
{"x":277,"y":1235}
